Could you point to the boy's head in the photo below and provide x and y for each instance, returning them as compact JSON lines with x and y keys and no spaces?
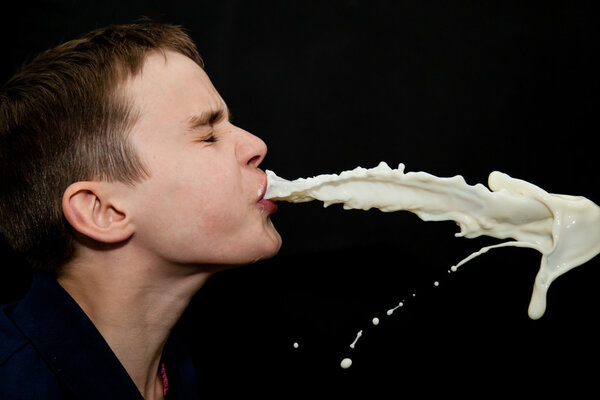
{"x":85,"y":111}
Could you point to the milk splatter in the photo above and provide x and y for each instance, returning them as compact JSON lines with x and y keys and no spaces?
{"x":564,"y":229}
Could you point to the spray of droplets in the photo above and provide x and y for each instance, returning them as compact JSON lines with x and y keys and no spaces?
{"x":346,"y":362}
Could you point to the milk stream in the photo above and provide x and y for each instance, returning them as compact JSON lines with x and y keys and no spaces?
{"x":564,"y":229}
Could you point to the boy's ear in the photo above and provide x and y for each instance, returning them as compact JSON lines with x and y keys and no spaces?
{"x":90,"y":210}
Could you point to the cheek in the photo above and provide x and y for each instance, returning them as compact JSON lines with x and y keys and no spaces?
{"x":214,"y":201}
{"x":199,"y":210}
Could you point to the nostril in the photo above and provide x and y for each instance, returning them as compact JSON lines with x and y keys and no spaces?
{"x":254,"y":161}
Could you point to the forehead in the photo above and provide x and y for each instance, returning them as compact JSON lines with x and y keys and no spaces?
{"x":171,"y":86}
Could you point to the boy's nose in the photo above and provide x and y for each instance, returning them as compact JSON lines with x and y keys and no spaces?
{"x":251,"y":150}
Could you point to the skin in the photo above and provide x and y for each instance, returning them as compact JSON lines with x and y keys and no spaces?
{"x":146,"y":249}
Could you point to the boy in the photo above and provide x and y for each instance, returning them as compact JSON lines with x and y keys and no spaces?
{"x":125,"y":186}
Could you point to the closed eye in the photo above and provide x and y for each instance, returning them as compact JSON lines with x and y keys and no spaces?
{"x":210,"y":138}
{"x":205,"y":137}
{"x":200,"y":123}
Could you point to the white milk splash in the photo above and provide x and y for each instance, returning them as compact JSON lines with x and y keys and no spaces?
{"x":564,"y":229}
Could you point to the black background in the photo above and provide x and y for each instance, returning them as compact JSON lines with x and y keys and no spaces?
{"x":444,"y":87}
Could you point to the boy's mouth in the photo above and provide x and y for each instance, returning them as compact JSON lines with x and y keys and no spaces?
{"x":267,"y":205}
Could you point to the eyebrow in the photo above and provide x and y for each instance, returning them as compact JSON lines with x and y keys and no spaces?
{"x":209,"y":117}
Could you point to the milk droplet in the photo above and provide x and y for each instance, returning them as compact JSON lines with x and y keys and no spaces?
{"x":346,"y":363}
{"x":358,"y":335}
{"x":436,"y":283}
{"x":295,"y":345}
{"x":391,"y":310}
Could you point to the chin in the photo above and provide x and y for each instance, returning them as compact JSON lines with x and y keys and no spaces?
{"x":272,"y":247}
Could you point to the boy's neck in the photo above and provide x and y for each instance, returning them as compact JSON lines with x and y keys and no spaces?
{"x":134,"y":306}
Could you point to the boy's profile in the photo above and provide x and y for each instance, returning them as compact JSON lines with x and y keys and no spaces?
{"x":125,"y":185}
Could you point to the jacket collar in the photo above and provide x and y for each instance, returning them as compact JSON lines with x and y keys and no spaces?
{"x":70,"y":343}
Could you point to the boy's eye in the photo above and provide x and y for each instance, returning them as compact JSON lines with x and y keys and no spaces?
{"x":209,"y":138}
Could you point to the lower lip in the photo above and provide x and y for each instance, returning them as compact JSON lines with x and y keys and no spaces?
{"x":269,"y":206}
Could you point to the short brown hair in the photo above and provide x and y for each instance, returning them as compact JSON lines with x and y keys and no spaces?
{"x":63,"y":120}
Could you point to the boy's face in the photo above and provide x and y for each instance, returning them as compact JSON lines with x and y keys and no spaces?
{"x":202,"y":203}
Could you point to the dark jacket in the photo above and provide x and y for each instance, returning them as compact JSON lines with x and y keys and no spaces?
{"x":50,"y":349}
